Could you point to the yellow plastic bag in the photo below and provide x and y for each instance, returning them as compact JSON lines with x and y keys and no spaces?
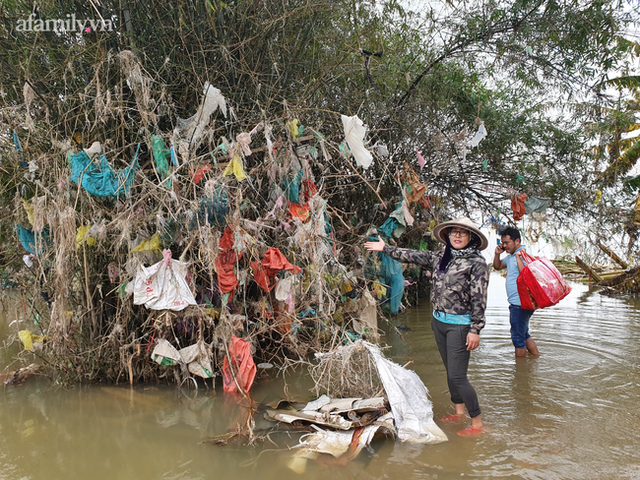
{"x":28,"y":339}
{"x":81,"y":236}
{"x":149,"y":245}
{"x":235,"y":168}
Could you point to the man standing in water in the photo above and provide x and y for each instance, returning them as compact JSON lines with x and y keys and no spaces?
{"x":518,"y":317}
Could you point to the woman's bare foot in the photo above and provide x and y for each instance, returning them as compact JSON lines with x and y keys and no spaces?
{"x":454,"y":417}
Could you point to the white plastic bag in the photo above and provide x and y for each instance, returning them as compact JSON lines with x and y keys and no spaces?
{"x":408,"y":397}
{"x":163,"y":286}
{"x":354,"y":131}
{"x":165,"y":354}
{"x":195,"y":356}
{"x":478,"y":137}
{"x":197,"y":360}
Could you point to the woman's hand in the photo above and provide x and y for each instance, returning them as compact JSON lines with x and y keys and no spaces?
{"x":473,"y":340}
{"x":375,"y":246}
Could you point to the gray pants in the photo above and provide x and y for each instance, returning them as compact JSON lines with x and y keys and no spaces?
{"x":451,"y":341}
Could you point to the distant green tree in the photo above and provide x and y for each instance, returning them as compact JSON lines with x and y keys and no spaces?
{"x":512,"y":65}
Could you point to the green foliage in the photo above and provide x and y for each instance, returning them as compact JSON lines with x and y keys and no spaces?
{"x":509,"y":64}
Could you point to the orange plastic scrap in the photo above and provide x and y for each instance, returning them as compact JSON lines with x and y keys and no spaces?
{"x":283,"y":320}
{"x":517,"y":205}
{"x":227,"y":240}
{"x":300,"y":211}
{"x":274,"y":261}
{"x":225,"y":263}
{"x":242,"y":364}
{"x":413,"y":188}
{"x":227,"y":280}
{"x":261,"y":277}
{"x":198,"y":175}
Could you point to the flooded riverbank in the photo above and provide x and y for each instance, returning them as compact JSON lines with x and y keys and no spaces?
{"x":572,"y":413}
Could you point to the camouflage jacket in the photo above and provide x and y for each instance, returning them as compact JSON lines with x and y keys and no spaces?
{"x":461,"y":289}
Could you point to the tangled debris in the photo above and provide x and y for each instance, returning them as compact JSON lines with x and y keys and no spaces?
{"x":185,"y":240}
{"x":342,"y":427}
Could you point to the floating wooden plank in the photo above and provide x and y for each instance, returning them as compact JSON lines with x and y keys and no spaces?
{"x":621,"y":278}
{"x":588,"y":270}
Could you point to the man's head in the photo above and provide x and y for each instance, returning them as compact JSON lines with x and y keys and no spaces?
{"x":510,"y":238}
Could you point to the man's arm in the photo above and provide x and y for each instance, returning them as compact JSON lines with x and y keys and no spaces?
{"x":519,"y":261}
{"x":497,"y":263}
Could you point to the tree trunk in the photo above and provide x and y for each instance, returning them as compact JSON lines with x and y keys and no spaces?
{"x":613,"y":256}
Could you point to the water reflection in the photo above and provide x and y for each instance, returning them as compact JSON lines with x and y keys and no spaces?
{"x":571,"y":413}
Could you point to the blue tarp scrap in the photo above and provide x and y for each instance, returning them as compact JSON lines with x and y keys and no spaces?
{"x":101,"y":180}
{"x":394,"y":225}
{"x":390,"y":274}
{"x":291,"y":186}
{"x":212,"y":210}
{"x":28,"y":239}
{"x":161,"y":154}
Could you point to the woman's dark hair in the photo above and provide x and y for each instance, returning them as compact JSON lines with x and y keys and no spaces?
{"x":512,"y":232}
{"x":474,"y":240}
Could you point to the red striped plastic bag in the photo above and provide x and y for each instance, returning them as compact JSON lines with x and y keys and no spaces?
{"x":540,"y":284}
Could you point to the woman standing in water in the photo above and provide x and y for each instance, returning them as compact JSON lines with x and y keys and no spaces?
{"x":460,"y":277}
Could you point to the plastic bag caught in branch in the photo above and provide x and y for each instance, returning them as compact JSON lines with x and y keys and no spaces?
{"x":150,"y":245}
{"x":244,"y":139}
{"x":163,"y":286}
{"x":478,"y":137}
{"x":354,"y":132}
{"x":235,"y":168}
{"x":191,"y":130}
{"x":100,"y":179}
{"x":421,"y":160}
{"x":269,"y":139}
{"x":161,"y":155}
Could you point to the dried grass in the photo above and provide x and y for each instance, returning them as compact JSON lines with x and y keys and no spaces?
{"x":345,"y":372}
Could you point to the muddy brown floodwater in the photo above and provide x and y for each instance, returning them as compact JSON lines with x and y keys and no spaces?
{"x":570,"y":414}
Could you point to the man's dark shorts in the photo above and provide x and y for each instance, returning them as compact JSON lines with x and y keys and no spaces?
{"x":519,"y":319}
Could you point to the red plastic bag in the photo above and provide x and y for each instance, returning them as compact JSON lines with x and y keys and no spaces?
{"x":540,"y":284}
{"x":243,"y":366}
